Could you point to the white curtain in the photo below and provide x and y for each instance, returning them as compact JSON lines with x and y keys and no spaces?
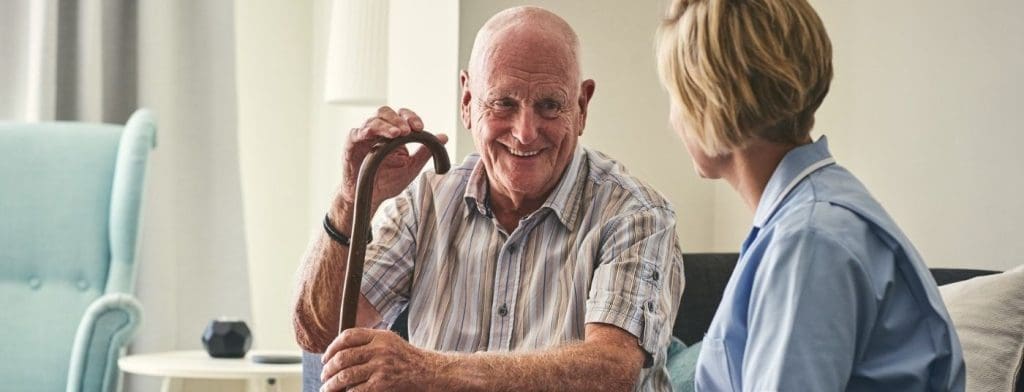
{"x":99,"y":60}
{"x":68,"y":60}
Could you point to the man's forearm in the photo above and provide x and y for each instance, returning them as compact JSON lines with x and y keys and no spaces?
{"x":578,"y":367}
{"x":321,"y":278}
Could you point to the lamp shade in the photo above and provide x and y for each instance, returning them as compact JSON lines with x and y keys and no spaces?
{"x":357,"y":53}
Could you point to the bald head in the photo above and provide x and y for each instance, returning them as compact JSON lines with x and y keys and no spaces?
{"x":525,"y":25}
{"x":524,"y":104}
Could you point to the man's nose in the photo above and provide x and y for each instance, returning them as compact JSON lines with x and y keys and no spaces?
{"x":525,"y":128}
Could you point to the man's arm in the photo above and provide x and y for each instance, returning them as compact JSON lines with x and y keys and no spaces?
{"x":609,"y":359}
{"x":321,"y":277}
{"x":635,"y":291}
{"x":322,"y":274}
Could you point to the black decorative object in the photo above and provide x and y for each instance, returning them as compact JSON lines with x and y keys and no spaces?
{"x":225,"y":338}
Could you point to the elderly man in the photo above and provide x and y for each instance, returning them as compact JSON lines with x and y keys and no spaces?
{"x":536,"y":264}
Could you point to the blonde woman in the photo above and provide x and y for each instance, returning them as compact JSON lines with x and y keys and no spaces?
{"x":828,"y":293}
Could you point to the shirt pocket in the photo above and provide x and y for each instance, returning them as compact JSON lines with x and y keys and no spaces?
{"x":714,"y":367}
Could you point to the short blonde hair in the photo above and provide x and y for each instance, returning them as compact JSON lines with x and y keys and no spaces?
{"x":743,"y":69}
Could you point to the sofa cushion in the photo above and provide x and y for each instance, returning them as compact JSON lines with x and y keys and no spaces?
{"x":706,"y":277}
{"x":682,"y":365}
{"x":944,"y":276}
{"x":988,"y":313}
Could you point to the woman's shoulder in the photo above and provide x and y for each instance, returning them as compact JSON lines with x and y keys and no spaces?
{"x":817,"y":221}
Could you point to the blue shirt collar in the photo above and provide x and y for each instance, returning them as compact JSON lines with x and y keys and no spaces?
{"x":798,"y":163}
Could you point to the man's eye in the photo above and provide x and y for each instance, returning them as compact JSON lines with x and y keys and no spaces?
{"x":503,"y":104}
{"x":550,"y":105}
{"x":549,"y":108}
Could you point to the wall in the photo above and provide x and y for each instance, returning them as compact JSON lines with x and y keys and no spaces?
{"x":422,"y":76}
{"x":328,"y":125}
{"x":628,"y":117}
{"x":423,"y":67}
{"x":274,"y":54}
{"x":923,"y":109}
{"x":192,"y":255}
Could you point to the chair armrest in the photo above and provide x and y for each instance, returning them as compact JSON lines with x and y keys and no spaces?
{"x":108,"y":324}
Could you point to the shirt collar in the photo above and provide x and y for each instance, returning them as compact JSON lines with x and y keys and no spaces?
{"x":567,"y":195}
{"x":563,"y":201}
{"x":477,"y":190}
{"x":798,"y":163}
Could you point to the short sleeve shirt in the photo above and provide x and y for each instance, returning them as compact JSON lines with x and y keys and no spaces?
{"x":602,"y":249}
{"x":828,"y":295}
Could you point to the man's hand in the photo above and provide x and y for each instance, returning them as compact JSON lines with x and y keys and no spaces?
{"x":323,"y":268}
{"x":398,"y":169}
{"x":375,"y":360}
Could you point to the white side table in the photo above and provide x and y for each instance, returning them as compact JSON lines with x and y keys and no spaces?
{"x":177,"y":365}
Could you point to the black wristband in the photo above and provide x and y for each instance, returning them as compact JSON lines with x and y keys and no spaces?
{"x":335,"y":235}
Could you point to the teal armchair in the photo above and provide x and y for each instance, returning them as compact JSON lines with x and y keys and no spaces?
{"x":70,"y":195}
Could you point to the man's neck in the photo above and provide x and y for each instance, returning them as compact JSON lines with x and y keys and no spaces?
{"x":510,"y":207}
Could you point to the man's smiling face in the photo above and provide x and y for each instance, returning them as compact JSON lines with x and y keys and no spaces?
{"x":526,"y":111}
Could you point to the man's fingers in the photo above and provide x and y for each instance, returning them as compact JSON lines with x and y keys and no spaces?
{"x":387,"y":114}
{"x":352,"y":337}
{"x":386,"y":124}
{"x":346,"y":359}
{"x":348,"y":378}
{"x":397,"y":158}
{"x":443,"y":138}
{"x":411,"y":118}
{"x":421,"y":156}
{"x":377,"y":128}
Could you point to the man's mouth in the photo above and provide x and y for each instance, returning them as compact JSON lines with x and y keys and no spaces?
{"x":522,"y":153}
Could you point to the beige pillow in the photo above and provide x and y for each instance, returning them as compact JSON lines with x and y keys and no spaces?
{"x":988,"y":313}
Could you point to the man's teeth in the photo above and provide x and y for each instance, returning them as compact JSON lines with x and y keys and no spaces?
{"x":521,"y":153}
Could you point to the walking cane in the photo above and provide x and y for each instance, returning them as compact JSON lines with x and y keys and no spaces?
{"x":361,"y":220}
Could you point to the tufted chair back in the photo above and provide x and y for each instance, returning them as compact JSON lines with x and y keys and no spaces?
{"x":70,"y":195}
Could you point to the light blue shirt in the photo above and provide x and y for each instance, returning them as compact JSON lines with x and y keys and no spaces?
{"x":828,"y":295}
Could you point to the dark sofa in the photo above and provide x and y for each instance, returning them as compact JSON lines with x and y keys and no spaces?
{"x":706,"y":277}
{"x":707,"y":274}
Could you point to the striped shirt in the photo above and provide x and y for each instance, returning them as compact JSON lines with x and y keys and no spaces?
{"x":601,"y":249}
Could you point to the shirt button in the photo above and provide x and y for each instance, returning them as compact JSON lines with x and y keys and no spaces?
{"x":503,"y":310}
{"x":83,"y":285}
{"x":650,"y":306}
{"x":654,"y":276}
{"x":511,"y":249}
{"x":34,"y":283}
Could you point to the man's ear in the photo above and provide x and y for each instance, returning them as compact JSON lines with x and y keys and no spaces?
{"x":466,"y":100}
{"x":586,"y":93}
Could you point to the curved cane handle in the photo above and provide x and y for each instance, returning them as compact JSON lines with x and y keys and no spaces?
{"x":361,"y":218}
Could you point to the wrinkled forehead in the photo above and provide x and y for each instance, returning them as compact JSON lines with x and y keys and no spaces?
{"x":530,"y":56}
